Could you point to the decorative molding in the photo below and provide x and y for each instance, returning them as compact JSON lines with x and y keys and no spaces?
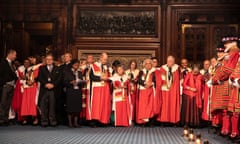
{"x":184,"y":26}
{"x":203,"y":1}
{"x":124,"y":56}
{"x":116,"y":2}
{"x":116,"y":23}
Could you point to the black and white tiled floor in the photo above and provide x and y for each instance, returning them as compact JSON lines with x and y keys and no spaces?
{"x":109,"y":135}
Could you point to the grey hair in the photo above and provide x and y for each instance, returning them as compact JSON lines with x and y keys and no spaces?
{"x":148,"y":59}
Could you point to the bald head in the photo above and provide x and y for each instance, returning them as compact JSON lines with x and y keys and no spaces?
{"x":170,"y":61}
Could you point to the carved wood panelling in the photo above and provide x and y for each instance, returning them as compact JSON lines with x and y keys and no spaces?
{"x":116,"y":23}
{"x":203,"y":1}
{"x":124,"y":56}
{"x":125,"y":50}
{"x":195,"y":42}
{"x":193,"y":14}
{"x":54,"y":12}
{"x":171,"y":15}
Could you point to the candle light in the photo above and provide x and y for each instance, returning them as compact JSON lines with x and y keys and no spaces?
{"x":198,"y":139}
{"x":191,"y":135}
{"x":205,"y":142}
{"x":185,"y":131}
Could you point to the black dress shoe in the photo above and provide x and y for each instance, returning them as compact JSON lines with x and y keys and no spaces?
{"x":4,"y":124}
{"x":93,"y":126}
{"x":44,"y":125}
{"x":236,"y":140}
{"x":53,"y":124}
{"x":77,"y":126}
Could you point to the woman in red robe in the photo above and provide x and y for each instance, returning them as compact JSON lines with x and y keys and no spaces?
{"x":132,"y":74}
{"x":192,"y":97}
{"x":207,"y":94}
{"x":17,"y":97}
{"x":121,"y":99}
{"x":30,"y":95}
{"x":146,"y":94}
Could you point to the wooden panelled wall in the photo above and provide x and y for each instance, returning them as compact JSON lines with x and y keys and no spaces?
{"x":183,"y":28}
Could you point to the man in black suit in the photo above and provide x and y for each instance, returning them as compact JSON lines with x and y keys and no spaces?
{"x":61,"y":96}
{"x":8,"y":78}
{"x":49,"y":78}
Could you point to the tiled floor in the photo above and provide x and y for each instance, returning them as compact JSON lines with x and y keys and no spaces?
{"x":109,"y":135}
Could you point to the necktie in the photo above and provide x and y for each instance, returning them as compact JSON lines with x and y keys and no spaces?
{"x":50,"y":67}
{"x":146,"y":75}
{"x":11,"y":66}
{"x":25,"y":71}
{"x":121,"y":79}
{"x":130,"y":76}
{"x":206,"y":72}
{"x":76,"y":75}
{"x":184,"y":73}
{"x":169,"y":73}
{"x":102,"y":67}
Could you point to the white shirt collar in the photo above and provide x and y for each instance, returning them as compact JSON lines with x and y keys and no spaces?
{"x":8,"y":60}
{"x":67,"y":63}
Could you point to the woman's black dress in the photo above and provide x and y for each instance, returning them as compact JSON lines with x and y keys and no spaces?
{"x":73,"y":94}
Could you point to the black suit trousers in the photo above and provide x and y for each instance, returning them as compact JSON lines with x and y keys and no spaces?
{"x":47,"y":107}
{"x":5,"y":103}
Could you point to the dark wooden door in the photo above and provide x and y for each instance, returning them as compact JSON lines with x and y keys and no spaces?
{"x":198,"y":41}
{"x":195,"y":41}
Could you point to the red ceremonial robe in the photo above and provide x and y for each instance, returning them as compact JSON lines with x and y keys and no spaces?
{"x":192,"y":100}
{"x":170,"y":93}
{"x":227,"y":68}
{"x":234,"y":103}
{"x":220,"y":92}
{"x":133,"y":89}
{"x":183,"y":73}
{"x":206,"y":114}
{"x":17,"y":97}
{"x":30,"y":93}
{"x":222,"y":75}
{"x":158,"y":93}
{"x":145,"y":104}
{"x":121,"y":101}
{"x":85,"y":92}
{"x":206,"y":96}
{"x":99,"y":101}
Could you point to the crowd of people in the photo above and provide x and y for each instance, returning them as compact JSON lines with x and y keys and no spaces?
{"x":44,"y":92}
